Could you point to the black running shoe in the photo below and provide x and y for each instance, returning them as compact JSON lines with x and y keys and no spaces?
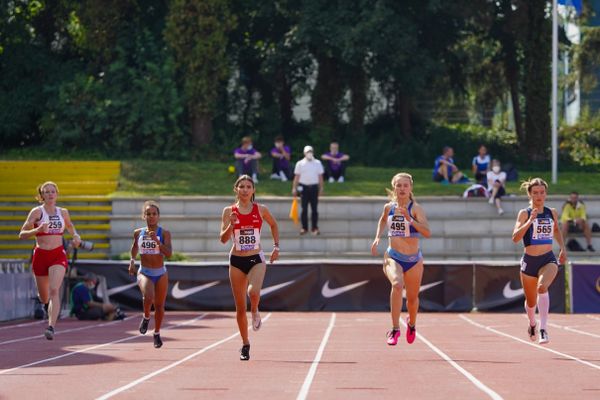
{"x":531,"y":332}
{"x":543,"y":337}
{"x":49,"y":333}
{"x":157,"y":341}
{"x":144,"y":325}
{"x":245,"y":352}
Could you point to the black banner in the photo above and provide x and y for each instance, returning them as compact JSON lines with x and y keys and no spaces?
{"x":331,"y":285}
{"x":498,"y":288}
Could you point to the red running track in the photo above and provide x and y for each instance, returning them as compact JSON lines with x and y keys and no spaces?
{"x":304,"y":355}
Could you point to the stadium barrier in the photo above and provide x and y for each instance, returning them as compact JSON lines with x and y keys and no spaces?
{"x":584,"y":281}
{"x":333,"y":285}
{"x":17,"y":290}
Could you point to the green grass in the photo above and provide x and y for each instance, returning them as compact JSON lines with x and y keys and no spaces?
{"x":154,"y":178}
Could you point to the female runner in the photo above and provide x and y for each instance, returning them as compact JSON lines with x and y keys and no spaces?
{"x":537,"y":225}
{"x":242,"y":222}
{"x":153,"y":244}
{"x":47,"y":223}
{"x":403,"y":261}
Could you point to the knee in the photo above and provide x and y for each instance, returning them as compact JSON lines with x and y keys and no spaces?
{"x":53,"y":292}
{"x":396,"y":286}
{"x":253,"y":293}
{"x":412,"y":301}
{"x":160,"y":307}
{"x":541,"y":289}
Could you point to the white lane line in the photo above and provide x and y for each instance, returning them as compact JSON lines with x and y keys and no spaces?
{"x":59,"y":332}
{"x":72,"y":353}
{"x":480,"y":385}
{"x":568,"y":328}
{"x":530,"y":343}
{"x":313,"y":368}
{"x":20,"y":325}
{"x":593,"y":317}
{"x":172,"y":365}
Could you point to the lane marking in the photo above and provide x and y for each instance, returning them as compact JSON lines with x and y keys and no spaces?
{"x":480,"y":385}
{"x":20,"y":325}
{"x":59,"y":332}
{"x":593,"y":317}
{"x":71,"y":353}
{"x":313,"y":367}
{"x":567,"y":328}
{"x":172,"y":365}
{"x":529,"y":343}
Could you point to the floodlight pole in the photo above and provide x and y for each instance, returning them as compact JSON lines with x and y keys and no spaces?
{"x":554,"y":91}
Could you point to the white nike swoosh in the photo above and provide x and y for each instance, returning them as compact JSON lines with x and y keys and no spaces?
{"x":178,"y":293}
{"x":121,"y":288}
{"x":423,"y":287}
{"x":273,"y":288}
{"x":511,"y":293}
{"x":329,"y":292}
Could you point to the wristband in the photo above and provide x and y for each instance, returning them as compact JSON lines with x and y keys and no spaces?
{"x":275,"y":248}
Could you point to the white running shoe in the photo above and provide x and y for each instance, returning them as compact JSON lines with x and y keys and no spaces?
{"x":543,"y":337}
{"x":282,"y":176}
{"x":275,"y":176}
{"x":500,"y":211}
{"x":341,"y":179}
{"x":256,"y":321}
{"x":331,"y":180}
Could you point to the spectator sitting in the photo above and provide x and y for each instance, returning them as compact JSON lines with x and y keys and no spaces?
{"x":86,"y":306}
{"x":481,"y":165}
{"x":574,"y":219}
{"x":445,"y":170}
{"x":495,"y":183}
{"x":281,"y":160}
{"x":246,"y":159}
{"x":335,"y":167}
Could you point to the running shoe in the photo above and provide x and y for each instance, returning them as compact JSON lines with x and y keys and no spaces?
{"x":411,"y":332}
{"x":532,"y":333}
{"x":245,"y":352}
{"x":256,"y":321}
{"x":144,"y":325}
{"x":157,"y":341}
{"x":543,"y":337}
{"x":392,"y":336}
{"x":49,"y":333}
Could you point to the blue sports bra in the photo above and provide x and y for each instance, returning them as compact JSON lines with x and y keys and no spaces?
{"x":541,"y":231}
{"x":398,"y":226}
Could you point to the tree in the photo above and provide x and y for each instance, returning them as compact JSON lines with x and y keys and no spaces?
{"x":197,"y":31}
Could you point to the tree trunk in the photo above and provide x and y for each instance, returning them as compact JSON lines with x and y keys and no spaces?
{"x":538,"y":84}
{"x":512,"y":77}
{"x":202,"y":129}
{"x":358,"y":94}
{"x":403,"y":113}
{"x":286,"y":101}
{"x":326,"y":95}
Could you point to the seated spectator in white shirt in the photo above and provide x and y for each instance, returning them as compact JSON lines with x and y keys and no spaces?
{"x":495,"y":183}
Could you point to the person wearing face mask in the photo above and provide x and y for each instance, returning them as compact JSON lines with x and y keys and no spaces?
{"x":308,"y":181}
{"x":85,"y":306}
{"x":246,"y":159}
{"x":281,"y":160}
{"x":574,"y":219}
{"x":495,"y":182}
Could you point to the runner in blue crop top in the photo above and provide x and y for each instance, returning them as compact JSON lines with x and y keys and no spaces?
{"x":537,"y":226}
{"x":153,"y":243}
{"x":402,"y":262}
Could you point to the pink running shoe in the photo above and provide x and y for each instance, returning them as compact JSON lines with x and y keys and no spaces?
{"x":411,"y":332}
{"x":392,"y":337}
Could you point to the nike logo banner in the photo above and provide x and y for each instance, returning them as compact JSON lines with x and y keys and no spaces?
{"x":179,"y":293}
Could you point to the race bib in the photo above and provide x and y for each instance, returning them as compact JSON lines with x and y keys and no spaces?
{"x":399,"y":226}
{"x":247,"y":239}
{"x":55,"y":225}
{"x":543,"y":229}
{"x":149,"y":246}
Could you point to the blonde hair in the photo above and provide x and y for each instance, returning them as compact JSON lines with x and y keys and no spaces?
{"x":149,"y":203}
{"x":529,"y":184}
{"x":40,"y":190}
{"x":392,"y":193}
{"x":239,"y":180}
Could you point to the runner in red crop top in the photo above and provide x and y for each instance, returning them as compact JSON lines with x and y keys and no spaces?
{"x":47,"y":223}
{"x":242,"y":223}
